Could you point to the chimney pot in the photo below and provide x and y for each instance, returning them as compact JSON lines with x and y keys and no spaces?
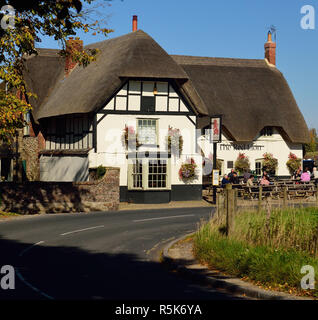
{"x":135,"y":23}
{"x":270,"y":50}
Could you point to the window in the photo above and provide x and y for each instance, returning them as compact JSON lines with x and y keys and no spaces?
{"x":147,"y":131}
{"x":149,"y":174}
{"x":26,"y":129}
{"x":230,"y":165}
{"x":147,"y":104}
{"x":137,"y":174}
{"x":258,"y":167}
{"x":6,"y":169}
{"x":267,"y":131}
{"x":157,"y":176}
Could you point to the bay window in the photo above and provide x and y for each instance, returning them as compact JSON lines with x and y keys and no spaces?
{"x":149,"y":174}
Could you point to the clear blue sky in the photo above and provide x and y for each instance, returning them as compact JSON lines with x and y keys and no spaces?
{"x":226,"y":28}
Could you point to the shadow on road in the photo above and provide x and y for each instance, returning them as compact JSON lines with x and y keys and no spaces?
{"x":65,"y":272}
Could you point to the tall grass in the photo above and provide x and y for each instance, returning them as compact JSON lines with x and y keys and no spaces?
{"x":295,"y":228}
{"x":269,"y":247}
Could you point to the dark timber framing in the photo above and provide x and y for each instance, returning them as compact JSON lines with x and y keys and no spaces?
{"x":169,"y":82}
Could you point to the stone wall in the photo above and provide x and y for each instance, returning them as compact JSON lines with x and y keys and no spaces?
{"x":57,"y":197}
{"x":29,"y":152}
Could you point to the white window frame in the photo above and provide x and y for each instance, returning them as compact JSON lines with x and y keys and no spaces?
{"x":157,"y":131}
{"x":145,"y":175}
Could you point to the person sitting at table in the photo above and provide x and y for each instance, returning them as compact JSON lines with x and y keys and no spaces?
{"x":247,"y":175}
{"x":265,"y":179}
{"x":250,"y":181}
{"x":305,"y":176}
{"x":315,"y":174}
{"x":297,"y":173}
{"x":225,"y":180}
{"x":234,"y":178}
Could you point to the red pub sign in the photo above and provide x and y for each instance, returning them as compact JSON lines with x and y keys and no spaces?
{"x":216,"y":131}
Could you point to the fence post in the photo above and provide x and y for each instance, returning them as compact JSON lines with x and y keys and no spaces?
{"x":260,"y":198}
{"x":285,"y":197}
{"x":230,"y":209}
{"x":218,"y":206}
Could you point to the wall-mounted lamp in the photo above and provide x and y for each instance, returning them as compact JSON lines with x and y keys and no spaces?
{"x":155,"y":90}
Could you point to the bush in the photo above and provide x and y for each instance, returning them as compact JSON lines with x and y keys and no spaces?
{"x":100,"y":172}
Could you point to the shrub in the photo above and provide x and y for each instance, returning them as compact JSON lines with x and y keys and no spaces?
{"x":100,"y":172}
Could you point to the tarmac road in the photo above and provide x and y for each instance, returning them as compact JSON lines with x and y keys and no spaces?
{"x":112,"y":256}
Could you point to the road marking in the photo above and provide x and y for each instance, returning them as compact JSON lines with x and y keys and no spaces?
{"x":29,"y":248}
{"x":162,"y":218}
{"x":32,"y":287}
{"x":81,"y":230}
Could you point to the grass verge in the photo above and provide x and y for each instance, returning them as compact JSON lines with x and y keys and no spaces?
{"x":269,"y":248}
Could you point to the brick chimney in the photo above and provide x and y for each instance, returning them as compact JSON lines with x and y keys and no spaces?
{"x":270,"y":49}
{"x":135,"y":24}
{"x":72,"y":45}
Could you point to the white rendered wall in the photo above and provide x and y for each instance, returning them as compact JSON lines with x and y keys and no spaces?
{"x":274,"y":144}
{"x":111,"y":150}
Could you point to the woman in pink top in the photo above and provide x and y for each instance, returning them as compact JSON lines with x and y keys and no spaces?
{"x":305,"y":176}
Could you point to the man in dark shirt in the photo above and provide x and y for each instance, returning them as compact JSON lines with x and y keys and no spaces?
{"x":234,"y":179}
{"x":225,"y":181}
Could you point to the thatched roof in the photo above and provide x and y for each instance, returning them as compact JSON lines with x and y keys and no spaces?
{"x":87,"y":89}
{"x":250,"y":94}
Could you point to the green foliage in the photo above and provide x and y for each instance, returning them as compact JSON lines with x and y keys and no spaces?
{"x":293,"y":163}
{"x":311,"y":146}
{"x":242,"y":163}
{"x":57,"y":19}
{"x":269,"y":163}
{"x":100,"y":172}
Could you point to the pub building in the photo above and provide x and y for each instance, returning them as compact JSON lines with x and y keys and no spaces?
{"x":82,"y":116}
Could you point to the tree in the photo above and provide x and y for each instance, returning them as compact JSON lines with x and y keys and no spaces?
{"x":311,"y":146}
{"x":22,"y":24}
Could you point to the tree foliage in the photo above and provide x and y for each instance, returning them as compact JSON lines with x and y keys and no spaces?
{"x":32,"y":20}
{"x":311,"y":146}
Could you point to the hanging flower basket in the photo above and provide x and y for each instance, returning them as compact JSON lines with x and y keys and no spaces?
{"x":269,"y":163}
{"x":293,"y":163}
{"x":187,"y":170}
{"x":242,"y":163}
{"x":130,"y":138}
{"x":175,"y":141}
